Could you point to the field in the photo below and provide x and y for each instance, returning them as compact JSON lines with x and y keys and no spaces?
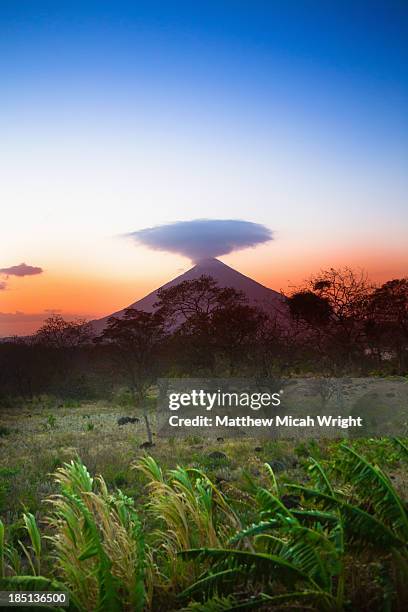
{"x":38,"y":438}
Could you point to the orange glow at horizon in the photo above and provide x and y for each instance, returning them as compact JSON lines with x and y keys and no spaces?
{"x":26,"y":302}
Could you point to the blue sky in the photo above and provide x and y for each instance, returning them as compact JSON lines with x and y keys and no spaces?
{"x":117,"y":116}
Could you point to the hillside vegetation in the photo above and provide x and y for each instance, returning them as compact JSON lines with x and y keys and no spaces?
{"x":328,"y":533}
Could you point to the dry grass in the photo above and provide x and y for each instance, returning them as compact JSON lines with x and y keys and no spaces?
{"x":41,"y":436}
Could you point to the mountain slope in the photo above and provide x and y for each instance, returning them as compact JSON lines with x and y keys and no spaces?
{"x":257,"y":294}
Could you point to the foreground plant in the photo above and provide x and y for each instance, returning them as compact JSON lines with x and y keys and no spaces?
{"x":189,"y":511}
{"x":97,"y":545}
{"x":303,"y":554}
{"x":314,"y":546}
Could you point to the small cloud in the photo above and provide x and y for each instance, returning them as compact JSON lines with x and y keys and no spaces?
{"x":3,"y":285}
{"x":203,"y":238}
{"x":21,"y":270}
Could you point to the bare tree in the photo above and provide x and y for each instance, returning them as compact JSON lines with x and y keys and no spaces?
{"x":345,"y":290}
{"x":135,"y":343}
{"x":59,"y":333}
{"x":332,"y":306}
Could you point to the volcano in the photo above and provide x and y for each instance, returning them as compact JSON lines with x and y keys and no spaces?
{"x":257,"y":295}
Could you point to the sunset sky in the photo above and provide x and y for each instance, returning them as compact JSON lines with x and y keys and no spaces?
{"x":118,"y":116}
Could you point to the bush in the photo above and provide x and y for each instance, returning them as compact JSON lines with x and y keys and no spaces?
{"x":339,"y":542}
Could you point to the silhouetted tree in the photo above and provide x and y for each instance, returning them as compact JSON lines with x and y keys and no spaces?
{"x":310,"y":307}
{"x":63,"y":353}
{"x":135,"y":342}
{"x":213,"y":326}
{"x":195,"y":298}
{"x":61,"y":334}
{"x":332,"y":309}
{"x":345,"y":290}
{"x":23,"y":372}
{"x":387,"y":321}
{"x":235,"y":330}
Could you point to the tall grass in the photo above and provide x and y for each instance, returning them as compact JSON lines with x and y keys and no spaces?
{"x":188,"y":511}
{"x":97,"y":546}
{"x":308,"y":553}
{"x":312,"y":546}
{"x":98,"y":542}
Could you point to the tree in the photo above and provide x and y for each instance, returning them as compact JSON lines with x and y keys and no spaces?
{"x":198,"y":297}
{"x":311,"y":307}
{"x":210,"y":323}
{"x":387,"y":320}
{"x":235,"y":333}
{"x":63,"y":348}
{"x":331,"y":306}
{"x":22,"y":371}
{"x":58,"y":333}
{"x":345,"y":290}
{"x":277,"y":349}
{"x":135,"y":342}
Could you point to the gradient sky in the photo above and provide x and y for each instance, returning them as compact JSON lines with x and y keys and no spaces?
{"x":116,"y":116}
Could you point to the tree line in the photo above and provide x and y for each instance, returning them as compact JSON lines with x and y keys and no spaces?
{"x":337,"y":323}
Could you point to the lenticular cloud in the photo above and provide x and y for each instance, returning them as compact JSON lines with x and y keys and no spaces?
{"x":203,"y":238}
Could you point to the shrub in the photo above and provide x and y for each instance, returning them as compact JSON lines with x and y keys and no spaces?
{"x":338,"y":542}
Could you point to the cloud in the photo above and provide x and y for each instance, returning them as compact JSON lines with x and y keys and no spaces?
{"x":21,"y":270}
{"x":203,"y":238}
{"x":3,"y":285}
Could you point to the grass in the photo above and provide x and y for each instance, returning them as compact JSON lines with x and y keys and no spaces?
{"x":36,"y":445}
{"x":315,"y":544}
{"x":192,"y":501}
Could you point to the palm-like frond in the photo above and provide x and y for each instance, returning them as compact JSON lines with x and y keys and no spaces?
{"x":375,"y":489}
{"x":273,"y":479}
{"x":36,"y":543}
{"x":359,"y":526}
{"x":320,"y":477}
{"x":253,"y":530}
{"x":402,"y":447}
{"x":271,"y":507}
{"x":212,"y":580}
{"x":255,"y":566}
{"x":315,"y":517}
{"x":191,"y":506}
